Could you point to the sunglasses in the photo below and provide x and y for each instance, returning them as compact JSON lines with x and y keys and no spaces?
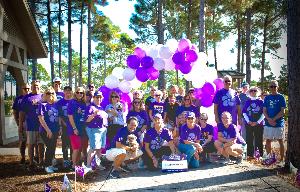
{"x":98,"y":97}
{"x":114,"y":96}
{"x":136,"y":102}
{"x":187,"y":99}
{"x":78,"y":92}
{"x":190,"y":118}
{"x":253,"y":90}
{"x":157,"y":95}
{"x":273,"y":86}
{"x":227,"y":81}
{"x":50,"y":93}
{"x":153,"y":90}
{"x":204,"y":119}
{"x":26,"y":89}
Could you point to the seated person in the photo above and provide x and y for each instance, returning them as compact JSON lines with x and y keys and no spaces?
{"x":118,"y":154}
{"x":229,"y":141}
{"x":154,"y":141}
{"x":207,"y":134}
{"x":190,"y":135}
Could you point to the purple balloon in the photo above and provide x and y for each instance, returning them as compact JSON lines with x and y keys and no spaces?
{"x":133,"y":61}
{"x":147,"y":62}
{"x":191,"y":55}
{"x":185,"y":68}
{"x":153,"y":73}
{"x":209,"y":88}
{"x":207,"y":100}
{"x":219,"y":83}
{"x":184,"y":44}
{"x":139,"y":52}
{"x":125,"y":98}
{"x":178,"y":58}
{"x":141,"y":74}
{"x":104,"y":89}
{"x":198,"y":93}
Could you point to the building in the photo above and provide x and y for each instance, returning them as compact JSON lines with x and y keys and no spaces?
{"x":20,"y":40}
{"x":237,"y":77}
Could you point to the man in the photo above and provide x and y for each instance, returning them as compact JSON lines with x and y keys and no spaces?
{"x":150,"y":99}
{"x":16,"y":110}
{"x":28,"y":114}
{"x":91,"y":88}
{"x":226,"y":99}
{"x":243,"y":97}
{"x":57,"y":88}
{"x":196,"y":102}
{"x":274,"y":106}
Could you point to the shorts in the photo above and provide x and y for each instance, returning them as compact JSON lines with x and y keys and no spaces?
{"x":75,"y":142}
{"x":273,"y":132}
{"x":97,"y":137}
{"x":33,"y":137}
{"x":114,"y":152}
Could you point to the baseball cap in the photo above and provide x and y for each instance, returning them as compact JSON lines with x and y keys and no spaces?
{"x":56,"y":79}
{"x":98,"y":93}
{"x":67,"y":88}
{"x":157,"y":115}
{"x":244,"y":84}
{"x":190,"y":114}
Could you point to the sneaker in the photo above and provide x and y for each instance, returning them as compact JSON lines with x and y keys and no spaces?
{"x":87,"y":169}
{"x":269,"y":162}
{"x":54,"y":168}
{"x":125,"y":168}
{"x":114,"y":174}
{"x":49,"y":169}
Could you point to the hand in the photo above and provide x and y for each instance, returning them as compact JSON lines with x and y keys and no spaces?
{"x":60,"y":131}
{"x":196,"y":155}
{"x":217,"y":119}
{"x":240,"y":121}
{"x":76,"y":131}
{"x":49,"y":134}
{"x":155,"y":162}
{"x":96,"y":112}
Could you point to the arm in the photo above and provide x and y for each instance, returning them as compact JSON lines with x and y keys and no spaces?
{"x":270,"y":120}
{"x":91,"y":117}
{"x":72,"y":122}
{"x":21,"y":120}
{"x":239,"y":114}
{"x":216,"y":113}
{"x":172,"y":147}
{"x":150,"y":154}
{"x":279,"y":115}
{"x":45,"y":126}
{"x":15,"y":113}
{"x":120,"y":145}
{"x":246,"y":118}
{"x":222,"y":139}
{"x":151,"y":115}
{"x":208,"y":139}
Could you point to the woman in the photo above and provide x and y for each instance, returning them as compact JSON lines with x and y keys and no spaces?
{"x":142,"y":116}
{"x":76,"y":124}
{"x":115,"y":111}
{"x":171,"y":108}
{"x":49,"y":129}
{"x":229,"y":141}
{"x":187,"y":106}
{"x":154,"y":140}
{"x":96,"y":122}
{"x":190,"y":135}
{"x":158,"y":106}
{"x":207,"y":133}
{"x":253,"y":115}
{"x":120,"y":148}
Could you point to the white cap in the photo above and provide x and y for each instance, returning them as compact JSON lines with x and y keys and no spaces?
{"x":56,"y":79}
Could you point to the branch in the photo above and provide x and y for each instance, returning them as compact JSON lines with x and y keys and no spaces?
{"x":40,"y":14}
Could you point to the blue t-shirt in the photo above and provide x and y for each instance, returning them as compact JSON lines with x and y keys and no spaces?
{"x":76,"y":108}
{"x":205,"y":132}
{"x":30,"y":106}
{"x":121,"y":136}
{"x":273,"y":105}
{"x":50,"y":113}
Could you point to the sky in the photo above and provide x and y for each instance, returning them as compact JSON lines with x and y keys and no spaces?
{"x":226,"y":60}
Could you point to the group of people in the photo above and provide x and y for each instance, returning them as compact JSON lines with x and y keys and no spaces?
{"x":164,"y":123}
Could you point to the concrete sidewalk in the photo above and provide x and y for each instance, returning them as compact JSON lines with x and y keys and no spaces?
{"x":16,"y":151}
{"x":209,"y":177}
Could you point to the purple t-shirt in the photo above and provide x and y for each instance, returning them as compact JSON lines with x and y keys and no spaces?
{"x":206,"y":131}
{"x":230,"y":132}
{"x":273,"y":105}
{"x":149,"y":101}
{"x":188,"y":134}
{"x":30,"y":106}
{"x":253,"y":109}
{"x":62,"y":109}
{"x":121,"y":136}
{"x":158,"y":107}
{"x":50,"y":113}
{"x":142,"y":117}
{"x":227,"y":100}
{"x":76,"y":108}
{"x":17,"y":104}
{"x":191,"y":108}
{"x":155,"y":139}
{"x":100,"y":120}
{"x":60,"y":95}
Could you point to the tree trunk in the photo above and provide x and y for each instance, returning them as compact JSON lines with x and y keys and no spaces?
{"x":160,"y":35}
{"x":105,"y":67}
{"x":188,"y":34}
{"x":34,"y":61}
{"x":50,"y":39}
{"x":263,"y":55}
{"x":238,"y":25}
{"x":201,"y":26}
{"x":293,"y":61}
{"x":248,"y":46}
{"x":215,"y":55}
{"x":89,"y":46}
{"x":243,"y":51}
{"x":59,"y":39}
{"x":80,"y":44}
{"x":69,"y":42}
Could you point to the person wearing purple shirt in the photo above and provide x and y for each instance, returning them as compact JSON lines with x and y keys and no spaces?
{"x":49,"y":129}
{"x":149,"y":100}
{"x":118,"y":153}
{"x":253,"y":116}
{"x":63,"y":119}
{"x":187,"y":106}
{"x":226,"y":99}
{"x":158,"y":106}
{"x":76,"y":124}
{"x":274,"y":107}
{"x":57,"y":88}
{"x":28,"y":113}
{"x":207,"y":133}
{"x":229,"y":141}
{"x":154,"y":141}
{"x":16,"y":109}
{"x":96,"y":122}
{"x":190,"y":135}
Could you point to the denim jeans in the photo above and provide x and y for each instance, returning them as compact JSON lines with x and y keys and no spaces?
{"x":189,"y":150}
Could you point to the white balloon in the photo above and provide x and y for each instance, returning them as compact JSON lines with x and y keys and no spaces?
{"x":111,"y":81}
{"x":128,"y":74}
{"x":172,"y":44}
{"x":159,"y":63}
{"x":202,"y":58}
{"x":165,"y":52}
{"x":188,"y":76}
{"x":135,"y":83}
{"x":211,"y":74}
{"x":198,"y":83}
{"x":118,"y":72}
{"x":152,"y":52}
{"x":125,"y":86}
{"x":170,"y":65}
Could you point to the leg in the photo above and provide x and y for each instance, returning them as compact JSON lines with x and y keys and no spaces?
{"x":231,"y":152}
{"x":249,"y":140}
{"x":189,"y":150}
{"x":258,"y":138}
{"x":268,"y":146}
{"x":119,"y":160}
{"x":91,"y":153}
{"x":281,"y":149}
{"x":64,"y":140}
